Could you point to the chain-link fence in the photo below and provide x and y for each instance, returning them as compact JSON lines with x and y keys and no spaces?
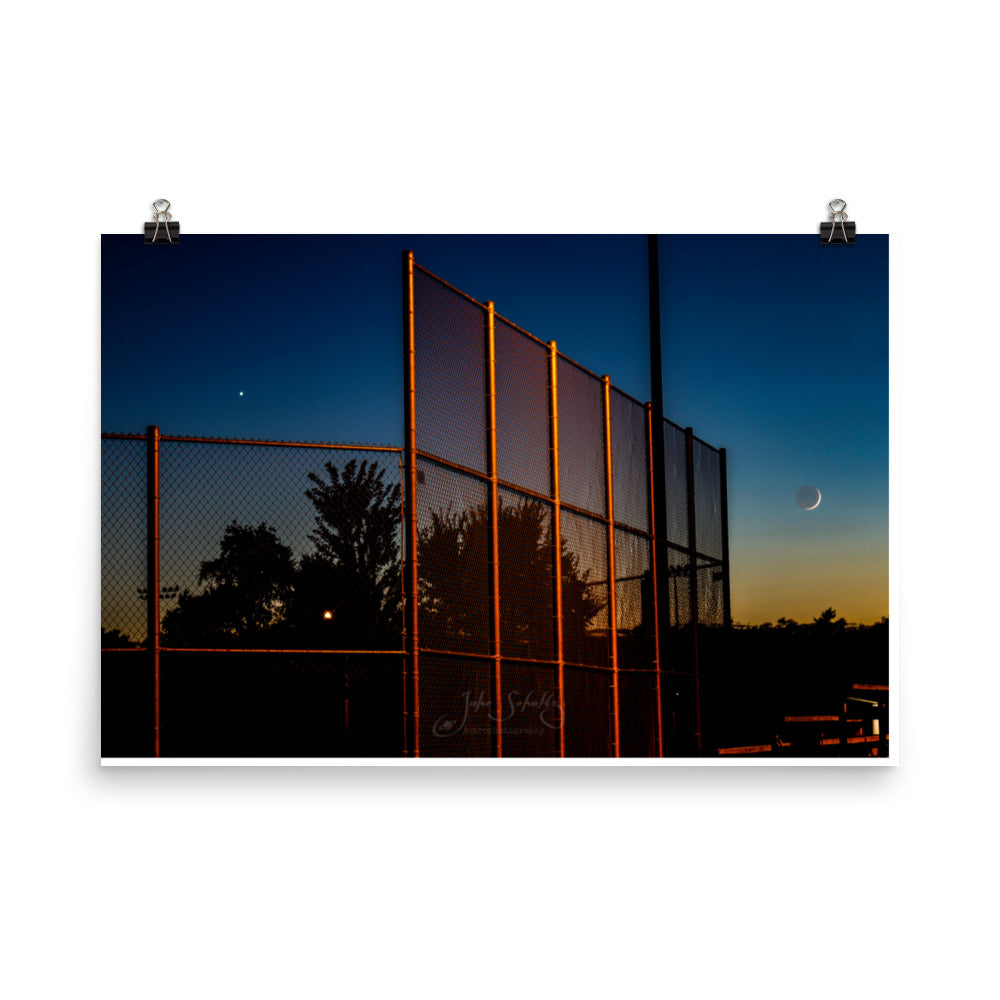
{"x":494,"y":588}
{"x":251,"y":598}
{"x":534,"y":594}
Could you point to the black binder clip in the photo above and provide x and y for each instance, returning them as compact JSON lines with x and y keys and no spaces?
{"x":162,"y":230}
{"x":838,"y":229}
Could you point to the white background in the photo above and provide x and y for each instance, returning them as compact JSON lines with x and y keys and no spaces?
{"x":526,"y":117}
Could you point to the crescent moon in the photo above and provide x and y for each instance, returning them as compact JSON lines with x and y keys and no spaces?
{"x":808,"y":497}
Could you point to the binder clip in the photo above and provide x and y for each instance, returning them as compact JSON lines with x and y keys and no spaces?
{"x":161,"y":229}
{"x":838,"y":229}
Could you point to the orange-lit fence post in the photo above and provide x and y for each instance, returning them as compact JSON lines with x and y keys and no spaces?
{"x":654,"y":555}
{"x":727,"y":611}
{"x":557,"y":594}
{"x":153,"y":570}
{"x":612,"y":596}
{"x":411,"y":673}
{"x":491,"y":390}
{"x":692,"y":552}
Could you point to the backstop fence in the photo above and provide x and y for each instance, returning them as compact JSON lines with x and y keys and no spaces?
{"x":530,"y":587}
{"x":493,"y":588}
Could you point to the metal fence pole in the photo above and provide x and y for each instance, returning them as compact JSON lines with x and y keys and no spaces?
{"x":411,"y":668}
{"x":153,"y":570}
{"x":654,"y":555}
{"x":557,"y":602}
{"x":692,"y":552}
{"x":612,"y":596}
{"x":491,"y":389}
{"x":727,"y":611}
{"x":658,"y":494}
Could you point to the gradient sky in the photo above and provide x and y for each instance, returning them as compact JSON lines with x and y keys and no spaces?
{"x":773,"y":346}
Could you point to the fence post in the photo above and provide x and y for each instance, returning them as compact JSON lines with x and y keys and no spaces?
{"x":693,"y":570}
{"x":491,"y":389}
{"x":411,"y":668}
{"x":727,"y":611}
{"x":654,"y":556}
{"x":557,"y":601}
{"x":612,"y":596}
{"x":153,"y":570}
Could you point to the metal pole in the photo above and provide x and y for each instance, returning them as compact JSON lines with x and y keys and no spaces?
{"x":557,"y":603}
{"x":693,"y":570}
{"x":612,"y":596}
{"x":653,"y":574}
{"x":655,"y":355}
{"x":153,"y":570}
{"x":658,"y":493}
{"x":727,"y":611}
{"x":411,"y":676}
{"x":491,"y":389}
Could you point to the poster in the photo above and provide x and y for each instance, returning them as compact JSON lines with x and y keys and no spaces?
{"x":330,"y":588}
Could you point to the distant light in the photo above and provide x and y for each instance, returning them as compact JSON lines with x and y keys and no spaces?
{"x":241,"y":392}
{"x":327,"y":615}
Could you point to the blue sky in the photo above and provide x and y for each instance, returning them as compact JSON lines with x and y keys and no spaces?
{"x":773,"y":346}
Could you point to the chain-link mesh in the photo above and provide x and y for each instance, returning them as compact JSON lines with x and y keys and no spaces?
{"x":676,"y":641}
{"x":675,"y":473}
{"x":581,"y":439}
{"x":451,"y":374}
{"x":531,"y":719}
{"x":453,"y":556}
{"x":630,"y":461}
{"x":707,"y":500}
{"x":452,"y":386}
{"x":123,"y":542}
{"x":522,"y":380}
{"x":270,"y":547}
{"x":457,"y":710}
{"x":711,"y":579}
{"x":585,"y":589}
{"x":276,"y":547}
{"x":634,"y":601}
{"x":638,"y":712}
{"x":588,"y":700}
{"x":678,"y":589}
{"x":525,"y":546}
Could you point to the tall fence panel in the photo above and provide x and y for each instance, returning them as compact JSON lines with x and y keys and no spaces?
{"x":697,"y":585}
{"x":558,"y":652}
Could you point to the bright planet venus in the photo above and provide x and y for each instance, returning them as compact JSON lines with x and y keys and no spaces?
{"x":808,"y":497}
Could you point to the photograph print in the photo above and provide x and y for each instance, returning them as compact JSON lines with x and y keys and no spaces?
{"x":583,"y":497}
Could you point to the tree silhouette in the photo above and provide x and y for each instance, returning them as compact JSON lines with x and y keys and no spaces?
{"x":347,"y":591}
{"x":247,"y":590}
{"x":344,"y":594}
{"x":827,"y":621}
{"x":453,"y":559}
{"x":115,"y":639}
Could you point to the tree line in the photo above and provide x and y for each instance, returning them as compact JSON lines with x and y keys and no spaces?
{"x":346,"y":592}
